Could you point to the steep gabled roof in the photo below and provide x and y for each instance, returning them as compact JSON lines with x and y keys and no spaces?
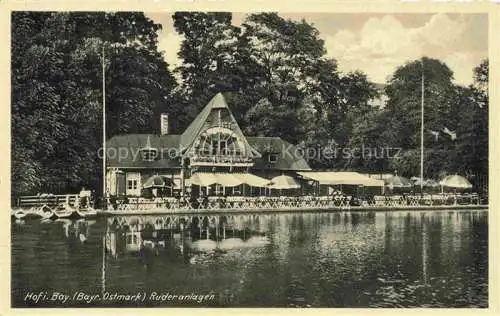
{"x":123,"y":151}
{"x":194,"y":129}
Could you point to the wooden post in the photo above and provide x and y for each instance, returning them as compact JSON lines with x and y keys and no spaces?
{"x":183,"y":189}
{"x":217,"y":228}
{"x":103,"y":276}
{"x":172,"y":183}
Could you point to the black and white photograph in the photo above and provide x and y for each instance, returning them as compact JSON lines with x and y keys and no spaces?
{"x":265,"y":159}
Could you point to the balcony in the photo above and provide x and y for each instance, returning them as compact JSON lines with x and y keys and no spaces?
{"x":221,"y":160}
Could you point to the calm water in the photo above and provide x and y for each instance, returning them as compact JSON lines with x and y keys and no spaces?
{"x":396,"y":259}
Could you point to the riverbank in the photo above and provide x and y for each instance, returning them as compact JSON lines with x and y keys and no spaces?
{"x":291,"y":209}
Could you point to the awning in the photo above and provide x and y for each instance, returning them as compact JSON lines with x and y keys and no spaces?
{"x":228,"y":179}
{"x":205,"y":179}
{"x":253,"y":180}
{"x":284,"y":182}
{"x":346,"y":178}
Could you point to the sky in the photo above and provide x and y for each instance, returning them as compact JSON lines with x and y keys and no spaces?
{"x":378,"y":43}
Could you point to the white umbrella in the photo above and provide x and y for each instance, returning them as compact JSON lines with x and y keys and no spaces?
{"x":455,"y":181}
{"x":157,"y":181}
{"x":398,"y":182}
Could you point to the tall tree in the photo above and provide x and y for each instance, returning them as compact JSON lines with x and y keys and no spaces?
{"x":472,"y":128}
{"x":401,"y":116}
{"x":282,"y":53}
{"x":56,"y":91}
{"x":208,"y":54}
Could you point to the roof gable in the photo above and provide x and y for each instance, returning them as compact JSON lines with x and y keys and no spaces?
{"x":197,"y":125}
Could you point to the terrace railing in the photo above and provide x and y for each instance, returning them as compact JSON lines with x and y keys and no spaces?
{"x":286,"y":202}
{"x":48,"y":199}
{"x":261,"y":202}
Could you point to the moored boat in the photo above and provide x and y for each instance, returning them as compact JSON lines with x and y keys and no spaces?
{"x":20,"y":214}
{"x":45,"y":211}
{"x":31,"y":213}
{"x":64,"y":211}
{"x":68,"y":211}
{"x":86,"y":212}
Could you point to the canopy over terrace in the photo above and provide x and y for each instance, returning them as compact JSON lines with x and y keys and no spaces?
{"x":351,"y":180}
{"x":205,"y":179}
{"x":342,"y":178}
{"x":228,"y":179}
{"x":284,"y":182}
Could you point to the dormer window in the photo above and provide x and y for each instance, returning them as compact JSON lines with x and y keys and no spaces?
{"x":273,"y":158}
{"x":148,"y":153}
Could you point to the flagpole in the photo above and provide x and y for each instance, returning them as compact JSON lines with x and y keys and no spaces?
{"x":422,"y":133}
{"x":103,"y":124}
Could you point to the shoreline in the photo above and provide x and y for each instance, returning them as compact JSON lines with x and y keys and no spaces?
{"x":109,"y":213}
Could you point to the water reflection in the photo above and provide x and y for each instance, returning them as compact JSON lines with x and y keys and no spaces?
{"x":187,"y":235}
{"x":344,"y":259}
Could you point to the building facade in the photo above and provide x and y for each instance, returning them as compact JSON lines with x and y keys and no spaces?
{"x":211,"y":156}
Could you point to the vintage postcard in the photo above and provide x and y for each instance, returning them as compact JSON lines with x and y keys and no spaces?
{"x":282,"y":157}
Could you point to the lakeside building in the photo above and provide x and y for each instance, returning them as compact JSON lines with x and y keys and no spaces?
{"x":212,"y":156}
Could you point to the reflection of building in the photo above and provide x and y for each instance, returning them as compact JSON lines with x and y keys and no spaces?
{"x":213,"y":143}
{"x":130,"y":234}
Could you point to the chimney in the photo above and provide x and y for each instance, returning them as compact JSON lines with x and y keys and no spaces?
{"x":164,"y":124}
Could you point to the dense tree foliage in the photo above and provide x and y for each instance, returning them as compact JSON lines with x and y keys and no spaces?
{"x":57,"y":94}
{"x":455,"y":124}
{"x":276,"y":78}
{"x":208,"y":53}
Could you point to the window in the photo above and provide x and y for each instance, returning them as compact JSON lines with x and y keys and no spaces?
{"x":273,"y":158}
{"x":132,"y":184}
{"x":215,"y":145}
{"x":219,"y":141}
{"x":223,"y":147}
{"x":149,"y":154}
